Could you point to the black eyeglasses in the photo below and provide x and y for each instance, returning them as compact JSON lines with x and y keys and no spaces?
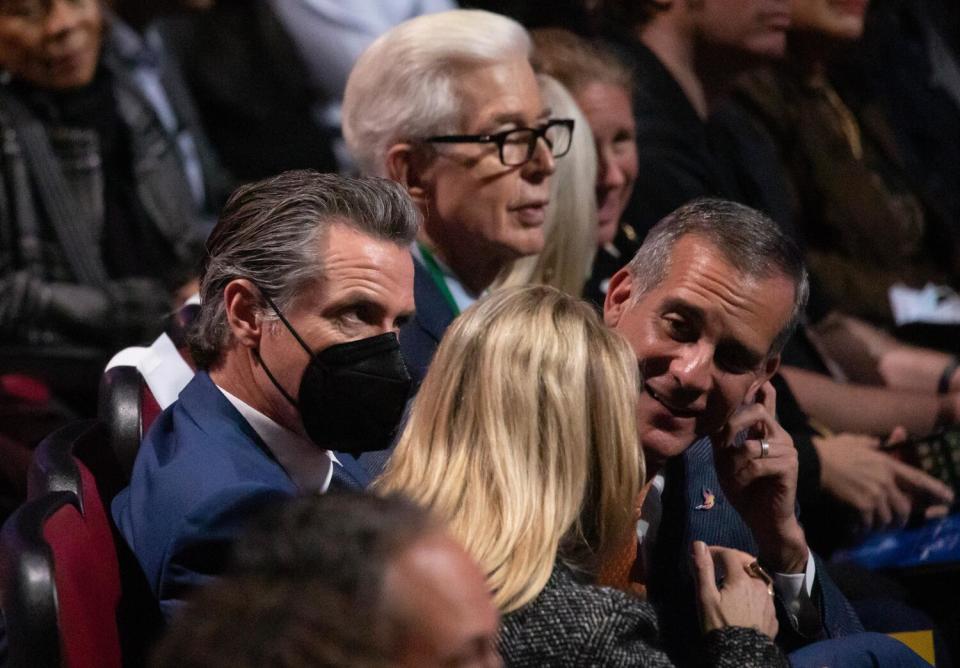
{"x":517,"y":146}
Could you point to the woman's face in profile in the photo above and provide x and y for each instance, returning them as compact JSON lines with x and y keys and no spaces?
{"x":610,"y":113}
{"x":52,"y":44}
{"x":838,"y":19}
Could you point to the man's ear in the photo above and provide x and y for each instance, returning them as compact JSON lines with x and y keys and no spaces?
{"x":242,"y":302}
{"x":407,"y":165}
{"x":619,"y":293}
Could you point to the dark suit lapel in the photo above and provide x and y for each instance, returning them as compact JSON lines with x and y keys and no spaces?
{"x":214,"y":414}
{"x":433,"y":312}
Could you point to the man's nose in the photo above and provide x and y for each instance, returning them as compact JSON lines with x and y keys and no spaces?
{"x":542,"y":164}
{"x":610,"y":176}
{"x":693,"y":369}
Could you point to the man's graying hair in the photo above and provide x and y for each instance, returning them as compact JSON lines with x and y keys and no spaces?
{"x":268,"y":232}
{"x":748,"y":240}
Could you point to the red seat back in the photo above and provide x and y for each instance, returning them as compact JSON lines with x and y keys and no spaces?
{"x":149,"y":409}
{"x":87,"y":579}
{"x":60,"y":579}
{"x":70,"y":460}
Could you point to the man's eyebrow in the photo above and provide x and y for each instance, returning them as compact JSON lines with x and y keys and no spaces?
{"x":749,"y":355}
{"x":353,"y":299}
{"x":517,"y":117}
{"x":508,"y":117}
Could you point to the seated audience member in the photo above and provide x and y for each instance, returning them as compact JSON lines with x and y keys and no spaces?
{"x":135,"y":38}
{"x":99,"y":221}
{"x":863,"y":223}
{"x":306,"y":281}
{"x":448,"y":105}
{"x":908,"y":66}
{"x":340,"y":580}
{"x":602,"y":86}
{"x":707,"y":305}
{"x":331,"y":36}
{"x":682,"y":74}
{"x":523,"y":441}
{"x":274,"y":104}
{"x":570,"y":230}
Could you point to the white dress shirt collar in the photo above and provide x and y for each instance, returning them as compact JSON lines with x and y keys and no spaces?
{"x":309,"y":466}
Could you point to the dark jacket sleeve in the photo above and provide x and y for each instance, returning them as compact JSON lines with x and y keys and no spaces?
{"x":624,"y":640}
{"x":200,"y":551}
{"x":127,"y":310}
{"x":736,"y":646}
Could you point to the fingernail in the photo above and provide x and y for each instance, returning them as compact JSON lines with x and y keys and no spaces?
{"x":699,"y":547}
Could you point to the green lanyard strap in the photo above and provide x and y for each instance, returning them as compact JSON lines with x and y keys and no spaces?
{"x":436,"y":273}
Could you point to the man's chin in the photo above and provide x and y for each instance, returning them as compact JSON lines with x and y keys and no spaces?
{"x":659,"y":445}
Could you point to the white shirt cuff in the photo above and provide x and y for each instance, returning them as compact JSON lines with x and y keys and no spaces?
{"x":788,"y":585}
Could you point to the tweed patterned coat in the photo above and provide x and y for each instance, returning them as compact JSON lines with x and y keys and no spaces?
{"x":575,"y":624}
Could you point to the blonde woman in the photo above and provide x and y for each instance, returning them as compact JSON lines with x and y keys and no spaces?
{"x":523,"y":440}
{"x":570,"y":230}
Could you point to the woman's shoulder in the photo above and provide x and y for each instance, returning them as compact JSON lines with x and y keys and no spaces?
{"x":572,"y":623}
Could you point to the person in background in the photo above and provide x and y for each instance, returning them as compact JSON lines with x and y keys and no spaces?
{"x":602,"y":86}
{"x":570,"y":231}
{"x":448,"y":105}
{"x":135,"y":39}
{"x":307,"y":279}
{"x":99,"y":221}
{"x":522,"y":441}
{"x":907,"y":66}
{"x":864,"y":224}
{"x":340,"y":580}
{"x":330,"y":35}
{"x":686,"y":58}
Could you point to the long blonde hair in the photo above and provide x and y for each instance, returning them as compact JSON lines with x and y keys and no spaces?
{"x":570,"y":231}
{"x":523,"y":439}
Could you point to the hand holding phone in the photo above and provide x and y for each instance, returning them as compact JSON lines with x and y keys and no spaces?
{"x":757,"y":465}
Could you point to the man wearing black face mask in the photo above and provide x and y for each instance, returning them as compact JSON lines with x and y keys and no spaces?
{"x":307,"y":279}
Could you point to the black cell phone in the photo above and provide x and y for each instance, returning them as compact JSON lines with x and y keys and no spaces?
{"x":937,"y":454}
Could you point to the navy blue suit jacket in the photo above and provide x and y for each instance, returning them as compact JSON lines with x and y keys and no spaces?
{"x":672,"y":582}
{"x":200,"y":474}
{"x":421,"y":335}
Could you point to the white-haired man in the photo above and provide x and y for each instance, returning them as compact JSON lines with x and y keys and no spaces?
{"x":448,"y":105}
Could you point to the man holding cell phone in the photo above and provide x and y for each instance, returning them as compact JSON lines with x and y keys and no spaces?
{"x":707,"y":304}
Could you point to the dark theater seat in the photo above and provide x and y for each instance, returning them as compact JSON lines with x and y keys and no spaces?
{"x":128,"y":408}
{"x":73,"y":594}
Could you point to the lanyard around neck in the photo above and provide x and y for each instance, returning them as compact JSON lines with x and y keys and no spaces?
{"x":436,"y":273}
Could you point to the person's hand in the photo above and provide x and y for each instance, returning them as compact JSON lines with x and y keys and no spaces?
{"x":760,"y":480}
{"x":883,"y":490}
{"x":948,"y":410}
{"x":742,"y":600}
{"x":80,"y":310}
{"x":139,"y":306}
